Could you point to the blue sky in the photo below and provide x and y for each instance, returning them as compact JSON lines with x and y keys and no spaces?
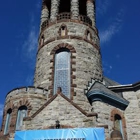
{"x":118,"y":24}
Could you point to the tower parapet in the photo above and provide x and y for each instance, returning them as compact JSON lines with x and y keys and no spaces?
{"x":30,"y":97}
{"x":52,"y":8}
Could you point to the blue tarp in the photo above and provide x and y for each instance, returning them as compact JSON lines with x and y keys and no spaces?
{"x":62,"y":134}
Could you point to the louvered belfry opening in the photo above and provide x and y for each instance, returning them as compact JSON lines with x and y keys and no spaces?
{"x":82,"y":7}
{"x":64,"y":6}
{"x":48,"y":4}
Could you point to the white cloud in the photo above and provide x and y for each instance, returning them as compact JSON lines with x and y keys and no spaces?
{"x":30,"y":44}
{"x":103,"y":6}
{"x":29,"y":49}
{"x":107,"y":67}
{"x":110,"y":67}
{"x":38,"y":4}
{"x":118,"y":56}
{"x":113,"y":28}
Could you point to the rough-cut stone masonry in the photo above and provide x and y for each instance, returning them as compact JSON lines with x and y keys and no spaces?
{"x":75,"y":9}
{"x":31,"y":97}
{"x":60,"y":109}
{"x":105,"y":115}
{"x":87,"y":63}
{"x":45,"y":107}
{"x":91,"y":11}
{"x":132,"y":114}
{"x":54,"y":9}
{"x":74,"y":29}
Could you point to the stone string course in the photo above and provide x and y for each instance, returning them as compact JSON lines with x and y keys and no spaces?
{"x":73,"y":29}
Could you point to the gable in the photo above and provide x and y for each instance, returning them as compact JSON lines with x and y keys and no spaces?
{"x":62,"y":109}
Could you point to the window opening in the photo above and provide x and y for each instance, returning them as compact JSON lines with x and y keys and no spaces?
{"x":48,"y":4}
{"x":22,"y":113}
{"x":88,"y":35}
{"x":62,"y":71}
{"x":42,"y":41}
{"x":8,"y":120}
{"x":118,"y":123}
{"x":64,"y":6}
{"x":83,"y":7}
{"x":63,"y":31}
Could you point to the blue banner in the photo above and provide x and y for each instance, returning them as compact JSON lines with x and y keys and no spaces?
{"x":62,"y":134}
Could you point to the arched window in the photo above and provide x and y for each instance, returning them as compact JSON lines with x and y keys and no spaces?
{"x":83,"y":7}
{"x":7,"y":123}
{"x":63,"y":30}
{"x":42,"y":40}
{"x":118,"y":123}
{"x":22,"y":113}
{"x":88,"y":35}
{"x":62,"y":71}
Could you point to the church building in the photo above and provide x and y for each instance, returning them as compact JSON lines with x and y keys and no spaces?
{"x":70,"y":90}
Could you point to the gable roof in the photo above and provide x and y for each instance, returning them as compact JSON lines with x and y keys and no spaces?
{"x":67,"y":99}
{"x":110,"y":82}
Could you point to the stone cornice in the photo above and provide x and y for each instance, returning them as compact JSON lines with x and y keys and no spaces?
{"x":27,"y":89}
{"x":67,"y":21}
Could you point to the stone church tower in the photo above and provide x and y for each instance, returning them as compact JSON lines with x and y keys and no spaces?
{"x":69,"y":89}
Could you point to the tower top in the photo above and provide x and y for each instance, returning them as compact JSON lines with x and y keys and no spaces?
{"x":82,"y":11}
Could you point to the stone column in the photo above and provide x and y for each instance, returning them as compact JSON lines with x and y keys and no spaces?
{"x":74,"y":9}
{"x":91,"y":11}
{"x":54,"y":9}
{"x":44,"y":14}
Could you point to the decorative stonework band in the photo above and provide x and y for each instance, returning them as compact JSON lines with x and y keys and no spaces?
{"x":68,"y":37}
{"x":66,"y":17}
